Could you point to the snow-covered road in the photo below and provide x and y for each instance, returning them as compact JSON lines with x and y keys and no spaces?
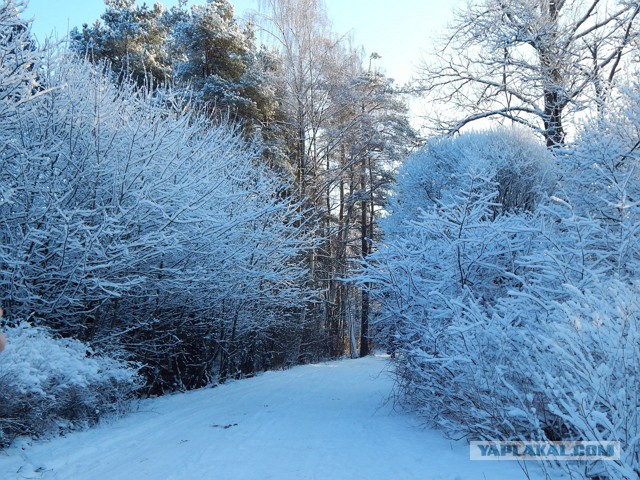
{"x":326,"y":421}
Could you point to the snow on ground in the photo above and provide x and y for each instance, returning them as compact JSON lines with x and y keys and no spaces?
{"x":326,"y":421}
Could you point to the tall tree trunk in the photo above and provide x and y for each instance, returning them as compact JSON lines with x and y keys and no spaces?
{"x":364,"y":231}
{"x":553,"y":129}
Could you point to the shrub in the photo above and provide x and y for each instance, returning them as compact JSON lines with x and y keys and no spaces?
{"x":52,"y":385}
{"x":518,"y":323}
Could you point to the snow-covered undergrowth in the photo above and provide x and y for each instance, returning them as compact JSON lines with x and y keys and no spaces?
{"x":515,"y":316}
{"x":51,"y":385}
{"x":325,"y":421}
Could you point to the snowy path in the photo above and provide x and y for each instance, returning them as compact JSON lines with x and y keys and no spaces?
{"x":327,"y":421}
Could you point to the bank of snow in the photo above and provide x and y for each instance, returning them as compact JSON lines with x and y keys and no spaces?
{"x":327,"y":421}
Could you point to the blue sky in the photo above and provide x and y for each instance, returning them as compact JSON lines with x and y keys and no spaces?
{"x":399,"y":30}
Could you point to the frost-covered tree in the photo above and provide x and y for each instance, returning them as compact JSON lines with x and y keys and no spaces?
{"x":221,"y":63}
{"x":534,"y":62}
{"x":608,"y":188}
{"x":203,"y":52}
{"x":131,"y":38}
{"x":368,"y":134}
{"x":46,"y":384}
{"x":301,"y":33}
{"x":341,"y":123}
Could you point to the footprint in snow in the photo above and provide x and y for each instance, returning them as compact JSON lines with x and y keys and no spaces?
{"x":225,"y":426}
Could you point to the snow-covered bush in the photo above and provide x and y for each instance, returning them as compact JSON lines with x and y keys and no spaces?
{"x":585,"y":366}
{"x":537,"y":369}
{"x":51,"y":385}
{"x":131,"y":223}
{"x":458,"y":223}
{"x":519,"y":324}
{"x":520,"y":168}
{"x":453,"y":248}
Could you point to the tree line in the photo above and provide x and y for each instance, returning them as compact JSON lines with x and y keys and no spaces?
{"x":324,"y":114}
{"x":176,"y":196}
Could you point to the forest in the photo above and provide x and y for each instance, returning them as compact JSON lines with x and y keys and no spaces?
{"x":188,"y":198}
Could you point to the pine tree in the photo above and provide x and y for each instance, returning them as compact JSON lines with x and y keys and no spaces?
{"x":131,"y":39}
